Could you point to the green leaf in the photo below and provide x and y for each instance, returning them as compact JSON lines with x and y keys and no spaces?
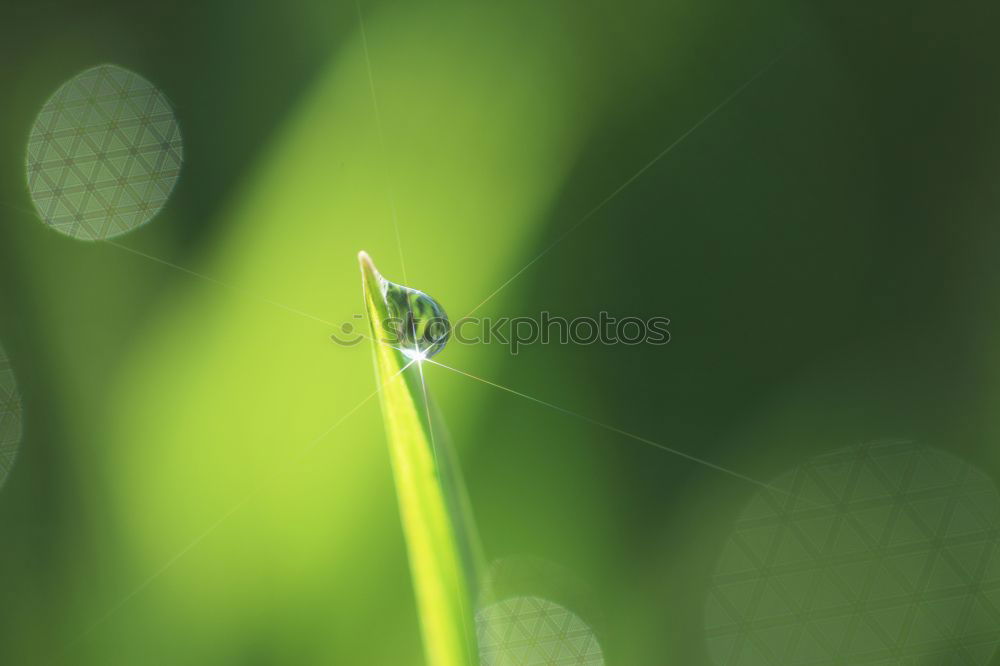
{"x":439,"y":569}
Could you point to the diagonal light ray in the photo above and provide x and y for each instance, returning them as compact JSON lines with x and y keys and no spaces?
{"x":263,"y":485}
{"x":611,"y":428}
{"x":381,"y":140}
{"x":427,"y":405}
{"x":634,"y":177}
{"x":434,"y":447}
{"x":219,"y":283}
{"x":195,"y":274}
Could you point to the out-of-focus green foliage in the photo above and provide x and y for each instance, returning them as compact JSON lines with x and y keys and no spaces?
{"x":825,"y":248}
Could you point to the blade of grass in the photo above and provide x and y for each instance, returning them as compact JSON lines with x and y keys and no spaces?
{"x":440,"y":581}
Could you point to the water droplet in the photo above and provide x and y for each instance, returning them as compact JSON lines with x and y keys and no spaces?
{"x":416,"y":324}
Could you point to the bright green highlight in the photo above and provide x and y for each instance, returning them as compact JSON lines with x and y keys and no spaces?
{"x":220,"y":388}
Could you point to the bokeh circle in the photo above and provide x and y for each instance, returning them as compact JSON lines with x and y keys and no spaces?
{"x":10,"y":418}
{"x":531,"y":631}
{"x":883,"y":553}
{"x":103,"y":155}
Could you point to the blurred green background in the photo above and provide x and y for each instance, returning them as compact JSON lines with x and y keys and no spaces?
{"x":825,"y":247}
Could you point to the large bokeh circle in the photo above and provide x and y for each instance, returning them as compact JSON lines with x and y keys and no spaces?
{"x":531,"y":631}
{"x":884,"y":553}
{"x":10,"y":418}
{"x":103,"y":155}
